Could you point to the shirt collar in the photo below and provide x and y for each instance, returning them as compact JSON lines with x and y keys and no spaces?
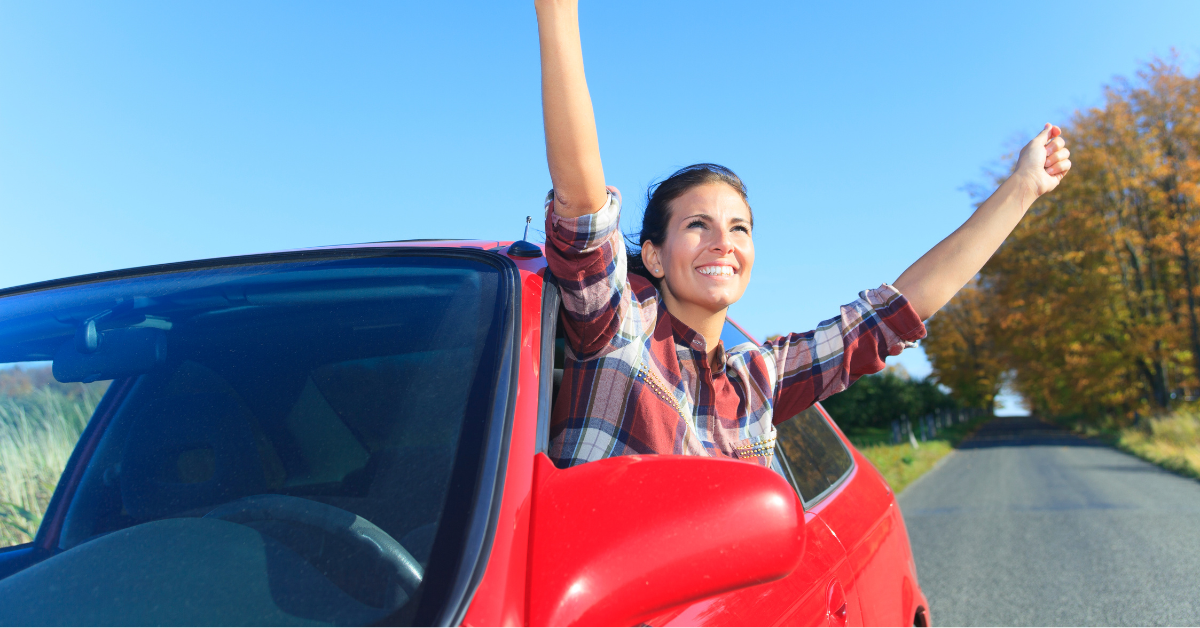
{"x":692,"y":339}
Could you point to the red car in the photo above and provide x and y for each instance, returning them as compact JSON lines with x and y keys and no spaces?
{"x":356,"y":435}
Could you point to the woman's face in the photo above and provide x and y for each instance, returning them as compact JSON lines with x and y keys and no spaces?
{"x":706,"y":258}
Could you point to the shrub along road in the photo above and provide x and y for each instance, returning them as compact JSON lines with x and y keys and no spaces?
{"x":1027,"y":524}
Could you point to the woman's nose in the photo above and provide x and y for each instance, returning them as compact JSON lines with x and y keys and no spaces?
{"x":723,"y":243}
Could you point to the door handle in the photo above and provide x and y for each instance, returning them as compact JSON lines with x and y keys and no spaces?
{"x":837,"y":605}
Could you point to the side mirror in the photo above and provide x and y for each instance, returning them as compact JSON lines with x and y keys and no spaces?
{"x":620,"y":540}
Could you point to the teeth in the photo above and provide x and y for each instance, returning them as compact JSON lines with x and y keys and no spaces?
{"x":717,"y":270}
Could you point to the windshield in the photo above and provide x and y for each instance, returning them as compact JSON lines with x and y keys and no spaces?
{"x":276,"y":445}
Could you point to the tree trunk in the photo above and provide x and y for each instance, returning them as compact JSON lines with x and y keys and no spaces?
{"x":1186,"y":262}
{"x":1155,"y":376}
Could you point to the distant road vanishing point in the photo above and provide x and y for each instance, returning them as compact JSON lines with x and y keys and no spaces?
{"x":1028,"y":525}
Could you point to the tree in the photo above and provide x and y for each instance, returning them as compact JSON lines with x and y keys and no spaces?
{"x":962,"y":348}
{"x":877,"y":400}
{"x":1093,"y":299}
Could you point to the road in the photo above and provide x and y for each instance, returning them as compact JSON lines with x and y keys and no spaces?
{"x":1029,"y":525}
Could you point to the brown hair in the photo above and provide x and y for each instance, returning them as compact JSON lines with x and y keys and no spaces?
{"x":657,"y":215}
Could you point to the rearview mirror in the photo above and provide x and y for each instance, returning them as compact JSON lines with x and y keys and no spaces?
{"x":620,"y":540}
{"x":110,"y":354}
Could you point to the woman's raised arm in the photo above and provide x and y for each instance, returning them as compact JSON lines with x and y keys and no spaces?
{"x":572,"y":148}
{"x":934,"y":279}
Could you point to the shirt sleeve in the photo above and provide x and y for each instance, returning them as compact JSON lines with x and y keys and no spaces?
{"x":587,"y":256}
{"x":816,"y":364}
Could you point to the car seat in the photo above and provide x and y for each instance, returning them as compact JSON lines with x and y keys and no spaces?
{"x":186,"y":452}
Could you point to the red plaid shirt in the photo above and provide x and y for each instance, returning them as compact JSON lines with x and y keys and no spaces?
{"x":637,"y":381}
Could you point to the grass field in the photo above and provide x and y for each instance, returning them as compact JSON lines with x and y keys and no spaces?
{"x":39,"y":427}
{"x":902,"y":464}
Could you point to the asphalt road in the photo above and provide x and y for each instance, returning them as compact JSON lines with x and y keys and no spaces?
{"x":1027,"y":525}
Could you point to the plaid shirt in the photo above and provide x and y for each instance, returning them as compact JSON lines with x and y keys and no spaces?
{"x":637,"y":381}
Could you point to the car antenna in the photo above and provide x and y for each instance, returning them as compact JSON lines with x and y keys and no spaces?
{"x":522,"y":247}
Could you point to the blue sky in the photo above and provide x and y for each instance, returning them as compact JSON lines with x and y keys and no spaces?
{"x":135,"y":133}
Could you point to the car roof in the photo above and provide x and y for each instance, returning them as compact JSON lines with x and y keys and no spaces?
{"x":486,"y":245}
{"x":446,"y":243}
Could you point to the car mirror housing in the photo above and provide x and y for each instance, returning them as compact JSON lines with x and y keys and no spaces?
{"x":92,"y":355}
{"x":620,"y":540}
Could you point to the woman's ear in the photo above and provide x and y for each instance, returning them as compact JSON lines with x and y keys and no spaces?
{"x":651,"y":258}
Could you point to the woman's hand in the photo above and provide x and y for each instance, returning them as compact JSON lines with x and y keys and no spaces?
{"x":1044,"y":160}
{"x":946,"y":268}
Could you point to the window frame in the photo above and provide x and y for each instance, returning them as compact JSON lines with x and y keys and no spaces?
{"x":820,"y":497}
{"x":551,"y":300}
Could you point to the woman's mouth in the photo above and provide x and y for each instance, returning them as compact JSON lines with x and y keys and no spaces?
{"x":716,"y":271}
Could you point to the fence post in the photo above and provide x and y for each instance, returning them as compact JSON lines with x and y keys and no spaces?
{"x":895,"y":432}
{"x":912,"y":439}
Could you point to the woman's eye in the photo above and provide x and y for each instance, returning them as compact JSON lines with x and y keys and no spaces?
{"x":695,"y":223}
{"x":743,"y":229}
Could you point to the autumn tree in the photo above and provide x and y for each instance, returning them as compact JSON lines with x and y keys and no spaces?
{"x":1093,"y":300}
{"x":964,"y":351}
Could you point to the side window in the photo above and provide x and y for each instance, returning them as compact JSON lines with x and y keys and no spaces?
{"x":41,"y":419}
{"x":814,"y":454}
{"x":732,"y":336}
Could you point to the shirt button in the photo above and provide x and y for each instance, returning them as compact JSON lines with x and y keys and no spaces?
{"x":696,"y":342}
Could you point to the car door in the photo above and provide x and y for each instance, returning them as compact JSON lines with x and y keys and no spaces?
{"x":815,"y":594}
{"x":864,"y":517}
{"x":838,"y":486}
{"x":821,"y":468}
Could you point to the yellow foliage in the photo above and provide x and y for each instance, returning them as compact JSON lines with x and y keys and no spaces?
{"x":1093,"y":300}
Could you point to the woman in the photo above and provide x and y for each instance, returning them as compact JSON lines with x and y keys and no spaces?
{"x":645,"y":371}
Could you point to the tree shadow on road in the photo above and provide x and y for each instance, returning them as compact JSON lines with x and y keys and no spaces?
{"x":1024,"y":431}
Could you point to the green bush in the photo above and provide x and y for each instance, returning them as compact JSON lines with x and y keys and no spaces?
{"x":876,"y":400}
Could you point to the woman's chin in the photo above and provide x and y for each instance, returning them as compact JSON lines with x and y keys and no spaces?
{"x":717,"y":302}
{"x":713,"y":301}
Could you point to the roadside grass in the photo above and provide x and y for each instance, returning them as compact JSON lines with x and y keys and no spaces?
{"x":38,"y":431}
{"x":1171,"y":441}
{"x":902,"y":464}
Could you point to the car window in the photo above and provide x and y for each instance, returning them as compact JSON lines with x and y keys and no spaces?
{"x":271,"y":418}
{"x":808,"y":452}
{"x":732,"y":336}
{"x":40,"y":422}
{"x":813,"y":453}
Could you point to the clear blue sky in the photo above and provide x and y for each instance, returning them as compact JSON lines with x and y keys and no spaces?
{"x":134,"y":133}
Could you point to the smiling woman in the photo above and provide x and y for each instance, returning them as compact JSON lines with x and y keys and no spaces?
{"x":711,"y":252}
{"x":646,"y":371}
